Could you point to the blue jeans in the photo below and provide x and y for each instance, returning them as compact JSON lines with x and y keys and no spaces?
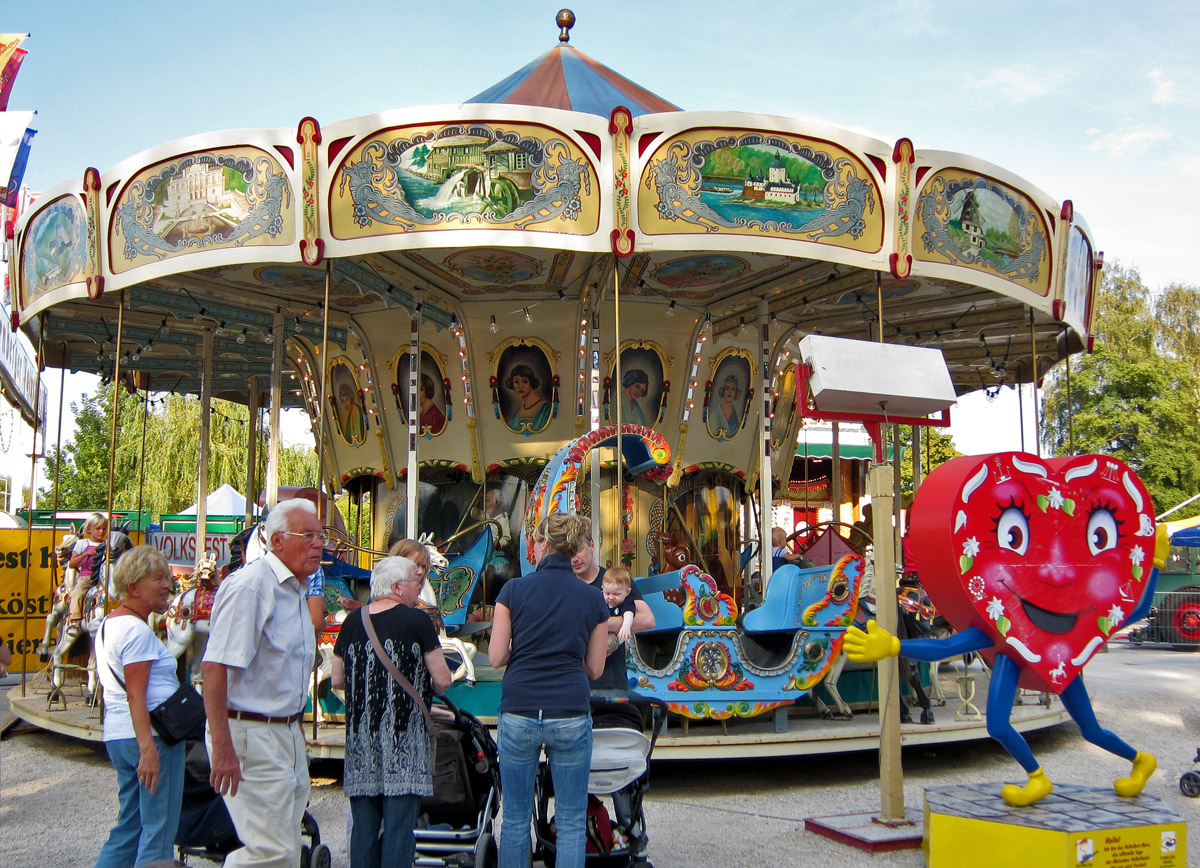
{"x":146,"y":824}
{"x":398,"y":817}
{"x":568,"y":743}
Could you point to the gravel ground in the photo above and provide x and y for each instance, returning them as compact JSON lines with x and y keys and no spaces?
{"x":57,"y":795}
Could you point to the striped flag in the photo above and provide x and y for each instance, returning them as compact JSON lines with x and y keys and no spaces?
{"x":8,"y":75}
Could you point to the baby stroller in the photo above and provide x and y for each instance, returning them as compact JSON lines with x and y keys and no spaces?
{"x":206,"y":829}
{"x":456,"y":826}
{"x":621,"y":751}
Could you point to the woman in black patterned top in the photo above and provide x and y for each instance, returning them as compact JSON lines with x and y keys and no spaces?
{"x":387,"y":766}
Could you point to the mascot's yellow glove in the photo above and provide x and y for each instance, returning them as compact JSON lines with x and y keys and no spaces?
{"x":1162,"y":546}
{"x":875,"y":644}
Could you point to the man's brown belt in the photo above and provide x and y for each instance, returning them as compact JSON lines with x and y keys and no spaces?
{"x":262,"y":718}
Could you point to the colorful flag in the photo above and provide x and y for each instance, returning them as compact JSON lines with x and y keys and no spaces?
{"x":8,"y":75}
{"x":15,"y":139}
{"x":9,"y":43}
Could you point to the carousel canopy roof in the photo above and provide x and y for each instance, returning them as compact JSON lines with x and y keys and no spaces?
{"x":566,"y":78}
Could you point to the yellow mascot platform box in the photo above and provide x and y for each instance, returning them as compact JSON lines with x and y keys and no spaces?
{"x":1073,"y":827}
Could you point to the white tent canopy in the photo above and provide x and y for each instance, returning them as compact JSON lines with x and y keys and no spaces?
{"x":226,"y":500}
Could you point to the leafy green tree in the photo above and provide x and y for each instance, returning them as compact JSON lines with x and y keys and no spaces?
{"x":160,"y":473}
{"x":1136,"y":396}
{"x":937,"y":448}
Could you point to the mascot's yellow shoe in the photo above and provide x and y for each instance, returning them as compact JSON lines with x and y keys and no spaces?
{"x":1144,"y":765}
{"x":1038,"y":788}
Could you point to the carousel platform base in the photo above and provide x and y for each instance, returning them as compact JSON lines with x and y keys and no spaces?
{"x":788,"y":732}
{"x":1074,"y":826}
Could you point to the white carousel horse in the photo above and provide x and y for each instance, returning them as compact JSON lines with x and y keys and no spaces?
{"x":188,"y":615}
{"x":95,"y":607}
{"x":62,"y":595}
{"x":464,"y":651}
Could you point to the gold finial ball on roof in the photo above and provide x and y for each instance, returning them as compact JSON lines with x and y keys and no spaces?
{"x":565,"y":19}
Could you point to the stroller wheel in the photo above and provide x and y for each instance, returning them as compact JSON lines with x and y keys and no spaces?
{"x":486,"y":855}
{"x":1189,"y":784}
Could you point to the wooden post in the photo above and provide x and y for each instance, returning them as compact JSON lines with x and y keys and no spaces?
{"x":891,"y":775}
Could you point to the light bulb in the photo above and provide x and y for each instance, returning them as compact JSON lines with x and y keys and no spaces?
{"x":742,"y":327}
{"x":528,"y":315}
{"x":670,"y":311}
{"x":492,"y":324}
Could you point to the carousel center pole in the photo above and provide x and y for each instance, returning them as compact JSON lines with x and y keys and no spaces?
{"x":273,"y":421}
{"x":617,"y":384}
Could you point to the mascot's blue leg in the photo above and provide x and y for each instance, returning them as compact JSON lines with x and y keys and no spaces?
{"x":1003,"y":688}
{"x":1079,"y":706}
{"x":1001,"y":692}
{"x":1075,"y":699}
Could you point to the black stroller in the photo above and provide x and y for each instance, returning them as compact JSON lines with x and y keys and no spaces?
{"x":456,"y":828}
{"x":621,"y":751}
{"x":206,"y":830}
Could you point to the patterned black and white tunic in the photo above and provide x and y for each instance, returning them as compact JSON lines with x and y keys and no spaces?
{"x":387,"y":745}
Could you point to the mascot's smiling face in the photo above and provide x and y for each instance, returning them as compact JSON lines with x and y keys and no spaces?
{"x":1048,"y":556}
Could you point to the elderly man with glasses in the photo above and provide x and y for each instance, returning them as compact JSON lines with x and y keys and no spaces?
{"x":256,"y":672}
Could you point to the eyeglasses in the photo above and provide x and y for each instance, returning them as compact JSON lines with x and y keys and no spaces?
{"x":309,"y":536}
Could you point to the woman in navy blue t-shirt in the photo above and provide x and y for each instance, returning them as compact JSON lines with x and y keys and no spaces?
{"x":551,"y":630}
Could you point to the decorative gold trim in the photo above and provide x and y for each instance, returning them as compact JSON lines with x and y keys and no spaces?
{"x":552,"y":354}
{"x":635,"y":344}
{"x":330,"y":364}
{"x":715,"y":361}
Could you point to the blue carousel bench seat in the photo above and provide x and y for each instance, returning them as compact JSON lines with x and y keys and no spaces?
{"x":790,"y":591}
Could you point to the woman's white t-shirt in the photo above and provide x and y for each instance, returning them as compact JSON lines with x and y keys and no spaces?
{"x":120,"y":641}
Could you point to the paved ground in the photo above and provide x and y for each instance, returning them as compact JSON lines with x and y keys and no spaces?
{"x":57,"y":795}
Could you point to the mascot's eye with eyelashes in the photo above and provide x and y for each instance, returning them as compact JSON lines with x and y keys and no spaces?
{"x":1102,"y":533}
{"x":1012,"y":530}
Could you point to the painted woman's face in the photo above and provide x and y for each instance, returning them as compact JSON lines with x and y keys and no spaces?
{"x":520,"y":385}
{"x":729,"y":393}
{"x":636,"y":390}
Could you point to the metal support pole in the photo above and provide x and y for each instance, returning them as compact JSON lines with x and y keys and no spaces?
{"x":413,"y":478}
{"x":765,"y":494}
{"x":277,"y":330}
{"x":251,"y":449}
{"x":323,"y":509}
{"x":206,"y":366}
{"x":33,"y":457}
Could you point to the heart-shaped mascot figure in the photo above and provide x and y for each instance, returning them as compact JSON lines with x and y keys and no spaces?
{"x":1034,"y":562}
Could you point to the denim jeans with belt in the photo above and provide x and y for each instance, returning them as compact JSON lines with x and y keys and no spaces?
{"x":568,"y":743}
{"x":146,"y":823}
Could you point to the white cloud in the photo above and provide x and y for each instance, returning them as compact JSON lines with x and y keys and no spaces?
{"x":1164,"y":89}
{"x":1014,"y":85}
{"x":1187,"y":164}
{"x":1129,"y":142}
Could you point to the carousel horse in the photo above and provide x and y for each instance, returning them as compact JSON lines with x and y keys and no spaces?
{"x":188,"y":615}
{"x":95,"y":607}
{"x":62,"y":596}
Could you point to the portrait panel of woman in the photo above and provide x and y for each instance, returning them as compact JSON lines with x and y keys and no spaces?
{"x":346,"y":402}
{"x":727,"y":400}
{"x":525,"y":389}
{"x":432,"y":399}
{"x":640,"y":387}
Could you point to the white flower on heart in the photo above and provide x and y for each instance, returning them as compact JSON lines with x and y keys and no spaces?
{"x":1116,"y":615}
{"x":1137,"y":554}
{"x":976,"y":587}
{"x":995,"y":608}
{"x":1055,"y":499}
{"x":971,"y":548}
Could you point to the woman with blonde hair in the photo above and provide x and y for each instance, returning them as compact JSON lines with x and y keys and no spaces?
{"x":551,"y":631}
{"x":138,"y":674}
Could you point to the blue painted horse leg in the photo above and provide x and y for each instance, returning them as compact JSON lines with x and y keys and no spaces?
{"x":1001,"y":692}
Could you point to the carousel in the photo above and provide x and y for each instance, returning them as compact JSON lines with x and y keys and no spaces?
{"x":566,"y":293}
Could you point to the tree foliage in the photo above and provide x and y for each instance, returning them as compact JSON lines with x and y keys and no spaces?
{"x":164,"y":480}
{"x":937,"y":448}
{"x":1137,"y":396}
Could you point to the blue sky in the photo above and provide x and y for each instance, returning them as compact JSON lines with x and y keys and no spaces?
{"x":1097,"y":102}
